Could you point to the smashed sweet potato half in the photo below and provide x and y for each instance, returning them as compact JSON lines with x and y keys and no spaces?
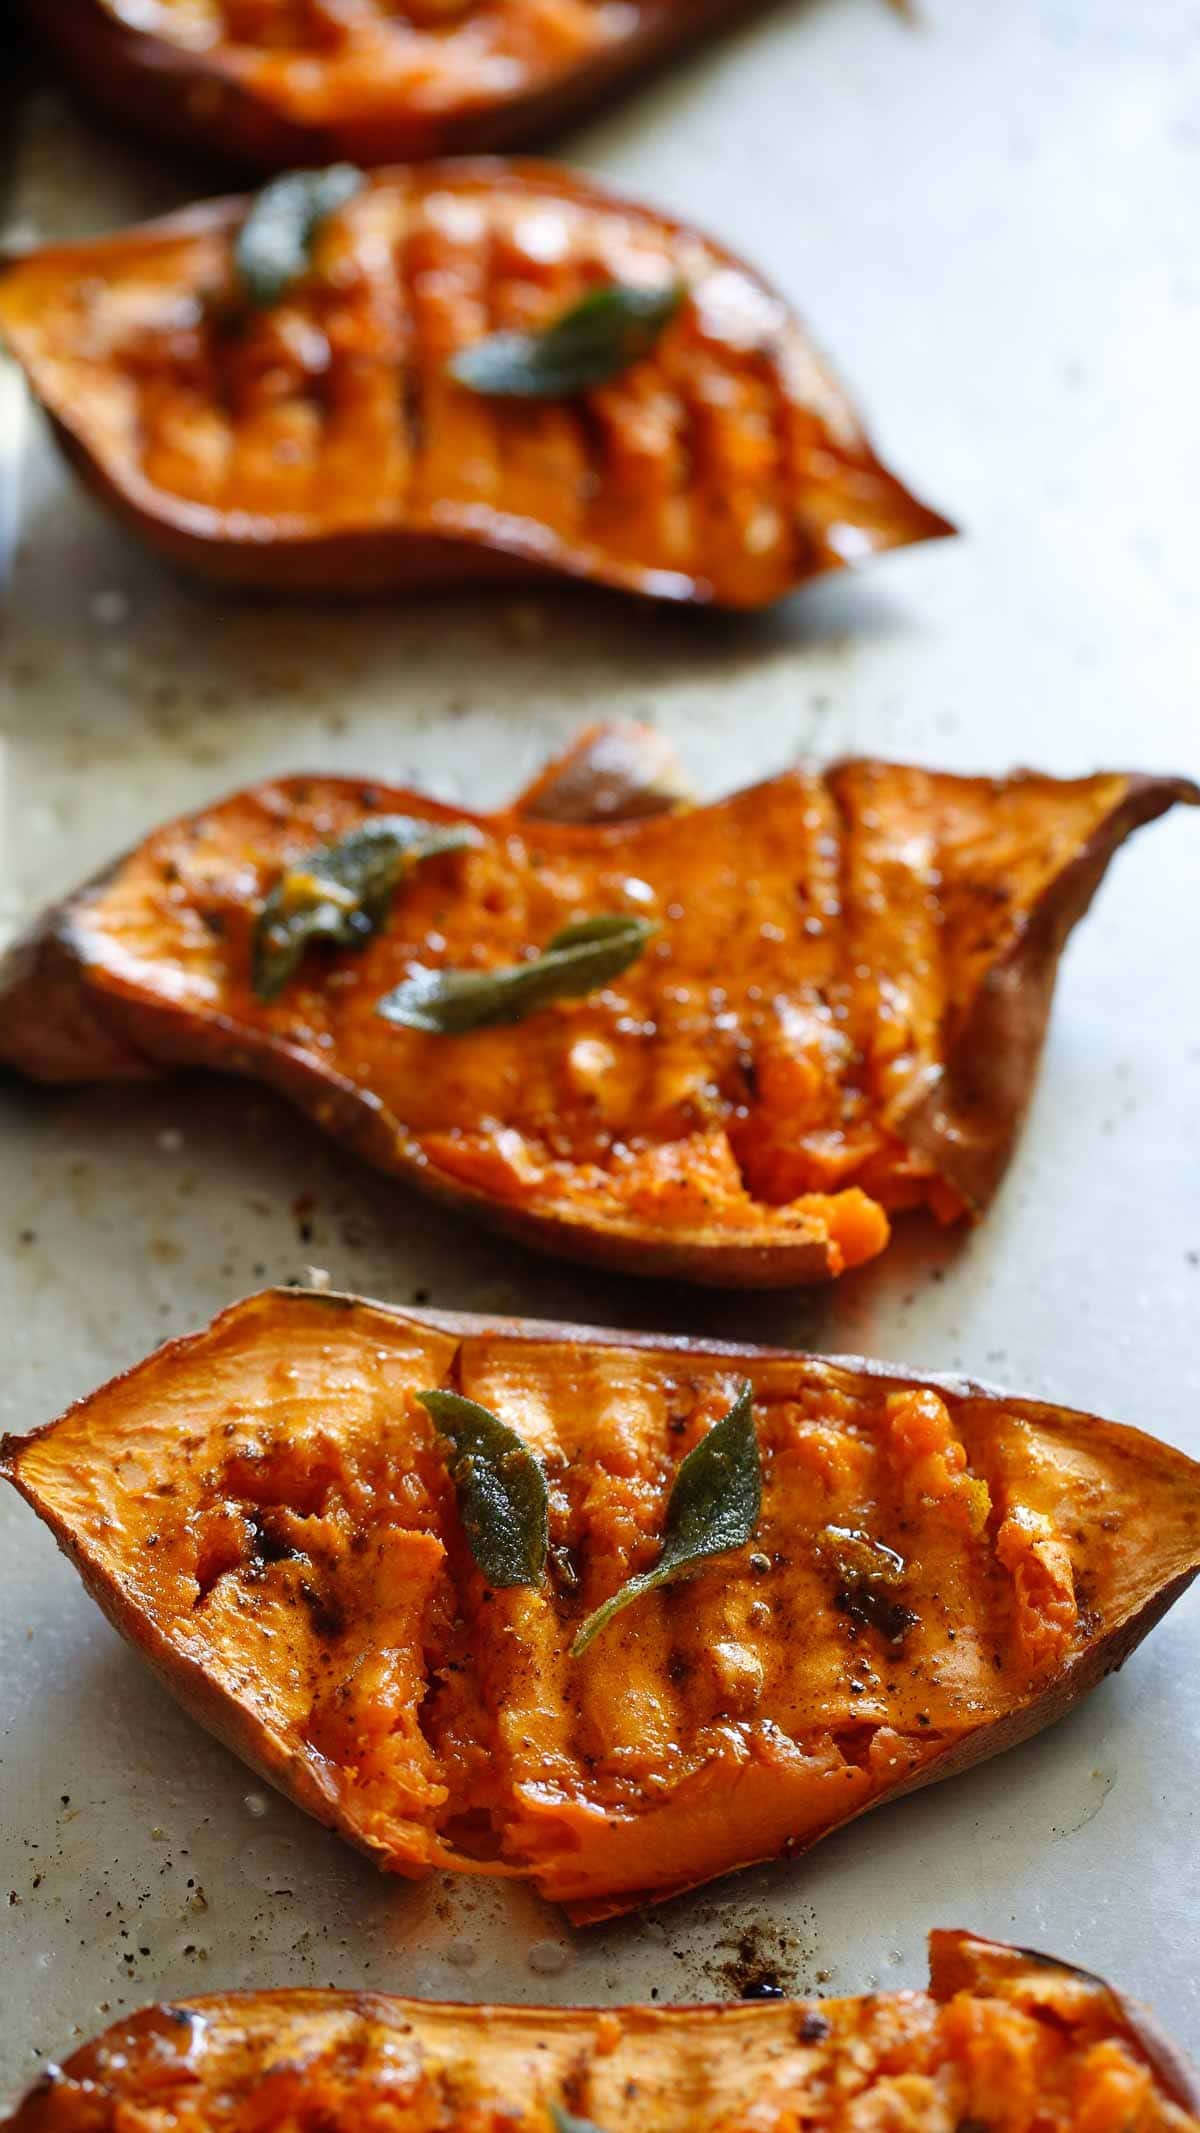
{"x":319,"y":435}
{"x":795,"y":1012}
{"x":278,"y":1513}
{"x":274,"y":83}
{"x":1003,"y":2038}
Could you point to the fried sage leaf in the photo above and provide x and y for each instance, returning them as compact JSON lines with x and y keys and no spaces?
{"x":714,"y":1505}
{"x":274,"y":245}
{"x":501,"y":1490}
{"x":446,"y":1003}
{"x":343,"y":892}
{"x":592,"y":341}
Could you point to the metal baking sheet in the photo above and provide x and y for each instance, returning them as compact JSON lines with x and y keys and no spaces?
{"x":990,"y":219}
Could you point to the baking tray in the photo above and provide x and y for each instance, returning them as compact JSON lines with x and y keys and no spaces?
{"x":985,"y":218}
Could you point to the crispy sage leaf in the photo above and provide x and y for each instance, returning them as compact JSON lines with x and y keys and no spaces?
{"x":501,"y":1490}
{"x":592,"y":341}
{"x":343,"y":892}
{"x":446,"y":1003}
{"x":274,"y":245}
{"x":714,"y":1505}
{"x":565,"y":2121}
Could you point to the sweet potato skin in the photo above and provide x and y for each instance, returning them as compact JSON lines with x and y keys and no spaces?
{"x":956,"y":1096}
{"x":604,"y":489}
{"x":197,"y":2062}
{"x":615,"y":771}
{"x":966,"y":1962}
{"x":968,"y":1121}
{"x":205,"y":101}
{"x":533,"y":1353}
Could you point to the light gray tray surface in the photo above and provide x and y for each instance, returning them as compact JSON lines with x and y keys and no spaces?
{"x":990,"y":222}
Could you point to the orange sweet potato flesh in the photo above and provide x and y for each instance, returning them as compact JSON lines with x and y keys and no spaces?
{"x":321,"y":444}
{"x":840,"y":1018}
{"x":265,"y":1510}
{"x":1004,"y":2038}
{"x":271,"y":83}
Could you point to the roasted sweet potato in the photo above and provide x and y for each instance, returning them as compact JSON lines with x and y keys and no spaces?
{"x":321,"y":441}
{"x":281,"y":82}
{"x":272,"y":1515}
{"x":839,"y":1016}
{"x":1003,"y":2038}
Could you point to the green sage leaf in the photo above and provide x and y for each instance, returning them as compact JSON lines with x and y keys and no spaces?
{"x":714,"y":1505}
{"x":593,"y":340}
{"x":343,"y":892}
{"x":446,"y":1003}
{"x":502,"y":1497}
{"x":273,"y":248}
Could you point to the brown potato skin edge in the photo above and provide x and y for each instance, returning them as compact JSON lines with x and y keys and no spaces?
{"x":341,"y":567}
{"x":184,"y":99}
{"x":615,"y":770}
{"x":969,"y":1121}
{"x":967,"y":1127}
{"x":220,"y":1715}
{"x":378,"y":561}
{"x":52,"y":960}
{"x":230,"y":1724}
{"x":953,"y":1967}
{"x":381,"y":563}
{"x":958,"y":1961}
{"x":59,"y":1029}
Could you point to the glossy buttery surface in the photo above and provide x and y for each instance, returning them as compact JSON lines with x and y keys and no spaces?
{"x":838,"y":1015}
{"x":266,"y":1512}
{"x":954,"y":213}
{"x":321,"y":442}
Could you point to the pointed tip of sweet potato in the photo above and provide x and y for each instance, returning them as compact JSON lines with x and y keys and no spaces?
{"x":968,"y":1118}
